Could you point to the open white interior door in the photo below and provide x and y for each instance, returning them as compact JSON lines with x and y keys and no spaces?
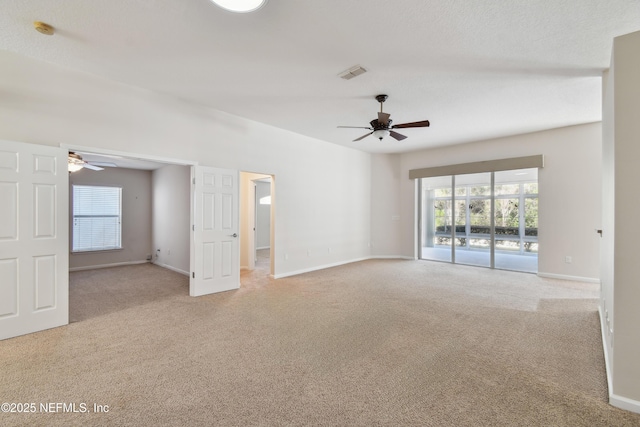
{"x":34,"y":242}
{"x":215,"y":251}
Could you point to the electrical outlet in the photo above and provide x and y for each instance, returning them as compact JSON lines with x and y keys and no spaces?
{"x":169,"y":252}
{"x":308,"y":252}
{"x":568,"y":259}
{"x":329,"y":250}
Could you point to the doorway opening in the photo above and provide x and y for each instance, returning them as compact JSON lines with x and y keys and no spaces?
{"x":154,"y":218}
{"x":257,"y":224}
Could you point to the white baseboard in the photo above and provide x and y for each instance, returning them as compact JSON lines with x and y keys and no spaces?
{"x":168,"y":267}
{"x":263,"y":247}
{"x":321,"y":267}
{"x":316,"y":268}
{"x":392,"y":257}
{"x":336,"y":264}
{"x":572,"y":278}
{"x":115,"y":264}
{"x":624,"y":403}
{"x":615,"y":400}
{"x":605,"y":348}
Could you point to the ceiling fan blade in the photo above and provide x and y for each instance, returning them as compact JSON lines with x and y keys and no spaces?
{"x":355,"y":127}
{"x":93,"y":168}
{"x":383,"y":118}
{"x":362,"y":137}
{"x":397,"y":136}
{"x":104,"y":164}
{"x":422,"y":124}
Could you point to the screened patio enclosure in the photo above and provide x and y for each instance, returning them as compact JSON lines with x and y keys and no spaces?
{"x":487,"y":219}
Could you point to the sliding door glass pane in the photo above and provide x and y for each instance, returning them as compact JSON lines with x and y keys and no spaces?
{"x":477,"y":225}
{"x":461,"y":221}
{"x":507,"y":221}
{"x":437,"y":218}
{"x":516,"y":220}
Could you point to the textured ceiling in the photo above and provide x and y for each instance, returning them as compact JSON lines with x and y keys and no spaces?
{"x":475,"y":69}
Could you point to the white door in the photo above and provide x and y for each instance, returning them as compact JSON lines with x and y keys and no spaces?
{"x":215,"y":256}
{"x":34,"y":242}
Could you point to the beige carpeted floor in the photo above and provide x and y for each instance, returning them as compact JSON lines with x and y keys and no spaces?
{"x":372,"y":343}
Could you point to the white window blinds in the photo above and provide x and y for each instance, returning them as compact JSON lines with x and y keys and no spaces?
{"x":96,"y":218}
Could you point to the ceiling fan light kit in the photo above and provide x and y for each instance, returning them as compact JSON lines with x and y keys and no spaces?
{"x":73,"y":167}
{"x":381,"y":127}
{"x":240,"y":6}
{"x":380,"y":133}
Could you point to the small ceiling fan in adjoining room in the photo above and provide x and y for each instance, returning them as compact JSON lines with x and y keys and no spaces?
{"x":75,"y":163}
{"x":382,"y":127}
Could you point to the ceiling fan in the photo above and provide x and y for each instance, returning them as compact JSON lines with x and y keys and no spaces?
{"x":382,"y":127}
{"x":75,"y":163}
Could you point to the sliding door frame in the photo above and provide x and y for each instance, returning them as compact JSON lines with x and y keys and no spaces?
{"x":419,"y":174}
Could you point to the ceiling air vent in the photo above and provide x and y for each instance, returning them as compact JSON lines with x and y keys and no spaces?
{"x":352,"y":72}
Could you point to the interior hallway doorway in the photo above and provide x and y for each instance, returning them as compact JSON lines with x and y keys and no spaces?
{"x":257,"y":224}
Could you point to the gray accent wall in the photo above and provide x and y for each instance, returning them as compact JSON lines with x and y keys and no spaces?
{"x":171,"y":217}
{"x":263,"y":215}
{"x":136,"y":216}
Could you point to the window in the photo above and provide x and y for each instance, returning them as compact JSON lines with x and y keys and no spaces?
{"x":97,"y":218}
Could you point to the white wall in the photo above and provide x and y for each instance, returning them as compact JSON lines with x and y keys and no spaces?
{"x":325,"y":210}
{"x":323,"y":190}
{"x":136,"y":216}
{"x":620,"y":295}
{"x":171,"y":186}
{"x":569,"y":186}
{"x":386,"y":209}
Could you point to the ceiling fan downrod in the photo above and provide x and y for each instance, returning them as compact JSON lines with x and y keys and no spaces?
{"x":381,"y":99}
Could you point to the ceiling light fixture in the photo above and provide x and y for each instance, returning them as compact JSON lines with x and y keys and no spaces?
{"x":75,"y":162}
{"x":74,"y":167}
{"x":240,"y":6}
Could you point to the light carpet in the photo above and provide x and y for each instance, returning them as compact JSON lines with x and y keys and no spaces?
{"x":381,"y":342}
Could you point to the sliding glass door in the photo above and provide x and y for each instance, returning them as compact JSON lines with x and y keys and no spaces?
{"x":437,"y":214}
{"x":516,"y":220}
{"x":486,"y":219}
{"x":473,"y":192}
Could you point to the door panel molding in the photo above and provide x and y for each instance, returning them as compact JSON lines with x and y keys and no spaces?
{"x":215,"y":257}
{"x":34,"y":244}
